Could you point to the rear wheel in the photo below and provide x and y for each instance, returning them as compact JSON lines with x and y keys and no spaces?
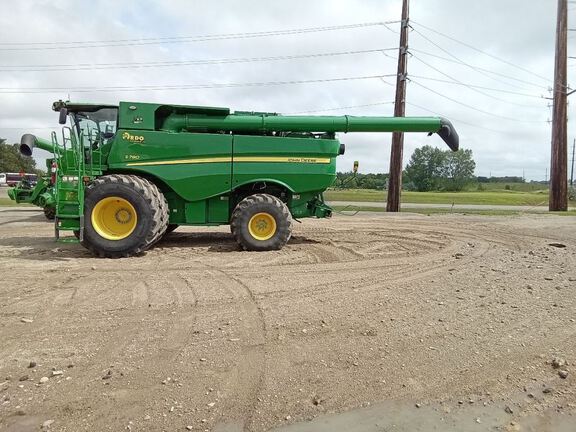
{"x":50,"y":212}
{"x":124,"y":215}
{"x":261,"y":222}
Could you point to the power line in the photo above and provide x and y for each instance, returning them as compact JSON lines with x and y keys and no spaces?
{"x":454,"y":119}
{"x":458,"y":60}
{"x":509,"y":63}
{"x":27,"y":90}
{"x":478,"y":68}
{"x":136,"y":65}
{"x":470,"y":106}
{"x":474,"y":88}
{"x":28,"y":128}
{"x":341,"y":108}
{"x":36,"y":46}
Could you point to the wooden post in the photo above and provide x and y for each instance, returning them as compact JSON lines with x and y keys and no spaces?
{"x":396,"y":154}
{"x":559,"y":153}
{"x":572,"y":170}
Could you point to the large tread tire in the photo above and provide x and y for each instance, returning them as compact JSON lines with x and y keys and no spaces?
{"x":50,"y":213}
{"x":151,"y":209}
{"x":261,"y":203}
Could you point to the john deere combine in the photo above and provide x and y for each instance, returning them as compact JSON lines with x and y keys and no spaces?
{"x":129,"y":173}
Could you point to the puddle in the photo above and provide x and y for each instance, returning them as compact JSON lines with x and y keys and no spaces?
{"x":401,"y":417}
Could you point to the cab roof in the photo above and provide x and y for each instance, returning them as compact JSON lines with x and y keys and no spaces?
{"x":80,"y":106}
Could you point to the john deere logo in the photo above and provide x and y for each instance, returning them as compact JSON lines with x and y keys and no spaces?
{"x":132,"y":138}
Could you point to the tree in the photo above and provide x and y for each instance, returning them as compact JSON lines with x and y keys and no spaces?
{"x":433,"y":169}
{"x":12,"y":161}
{"x":425,"y":168}
{"x":350,"y":180}
{"x":458,"y":169}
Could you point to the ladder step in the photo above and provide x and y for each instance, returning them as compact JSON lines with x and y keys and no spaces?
{"x":68,"y":240}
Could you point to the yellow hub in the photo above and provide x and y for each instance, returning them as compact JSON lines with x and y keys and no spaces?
{"x":262,"y":226}
{"x":114,"y":218}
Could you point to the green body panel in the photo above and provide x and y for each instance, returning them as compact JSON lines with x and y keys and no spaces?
{"x":195,"y":166}
{"x":203,"y":169}
{"x":300,"y":164}
{"x":213,"y":211}
{"x":147,"y":116}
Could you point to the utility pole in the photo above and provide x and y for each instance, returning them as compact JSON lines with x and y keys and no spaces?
{"x":572,"y":170}
{"x":395,"y":179}
{"x":559,"y":153}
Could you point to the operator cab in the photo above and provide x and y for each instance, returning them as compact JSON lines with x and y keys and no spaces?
{"x":94,"y":125}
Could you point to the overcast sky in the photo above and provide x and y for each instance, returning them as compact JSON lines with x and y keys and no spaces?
{"x":507,"y":130}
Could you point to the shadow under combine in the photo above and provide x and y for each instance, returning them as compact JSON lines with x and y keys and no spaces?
{"x":215,"y":241}
{"x":45,"y":248}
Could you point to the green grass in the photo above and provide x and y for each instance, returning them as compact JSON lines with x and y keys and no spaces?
{"x":9,"y":202}
{"x":350,"y":210}
{"x":501,"y":197}
{"x":517,"y":187}
{"x":427,"y":211}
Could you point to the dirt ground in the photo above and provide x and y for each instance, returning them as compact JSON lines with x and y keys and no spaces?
{"x":453,"y":319}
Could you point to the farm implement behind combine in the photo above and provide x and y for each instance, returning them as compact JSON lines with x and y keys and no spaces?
{"x":129,"y":173}
{"x":40,"y":194}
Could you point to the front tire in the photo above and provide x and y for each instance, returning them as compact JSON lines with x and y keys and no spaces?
{"x":261,"y":222}
{"x":124,"y":215}
{"x":50,"y":212}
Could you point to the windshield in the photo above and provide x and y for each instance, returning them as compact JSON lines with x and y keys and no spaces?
{"x":96,"y":127}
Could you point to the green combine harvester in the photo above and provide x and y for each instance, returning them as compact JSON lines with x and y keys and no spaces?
{"x":130,"y":173}
{"x":41,"y":194}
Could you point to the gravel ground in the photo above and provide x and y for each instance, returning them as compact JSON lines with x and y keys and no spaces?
{"x":454,"y":319}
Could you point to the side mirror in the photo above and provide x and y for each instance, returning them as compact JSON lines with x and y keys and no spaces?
{"x":63,"y":115}
{"x":355,"y":168}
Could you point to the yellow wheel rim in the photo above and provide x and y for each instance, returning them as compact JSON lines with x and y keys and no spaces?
{"x":262,"y":226}
{"x":114,"y":218}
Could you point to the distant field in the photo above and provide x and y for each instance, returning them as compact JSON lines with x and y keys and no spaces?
{"x":350,"y":210}
{"x":501,"y":197}
{"x":9,"y":202}
{"x":518,"y":187}
{"x":429,"y":211}
{"x":489,"y":197}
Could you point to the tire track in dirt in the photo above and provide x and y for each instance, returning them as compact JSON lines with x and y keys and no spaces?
{"x":31,"y":306}
{"x":370,"y":272}
{"x":245,"y":382}
{"x":178,"y":337}
{"x":37,"y":300}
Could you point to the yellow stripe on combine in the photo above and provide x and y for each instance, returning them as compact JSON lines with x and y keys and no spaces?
{"x":183,"y":161}
{"x":282,"y":159}
{"x":271,"y":159}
